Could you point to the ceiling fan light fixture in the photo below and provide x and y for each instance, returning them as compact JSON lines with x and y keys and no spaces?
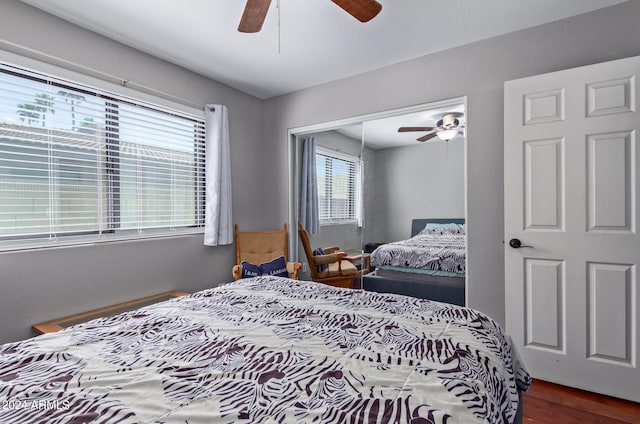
{"x":447,"y":135}
{"x":447,"y":128}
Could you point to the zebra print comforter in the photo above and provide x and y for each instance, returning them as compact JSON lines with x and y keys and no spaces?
{"x":424,"y":251}
{"x":268,"y":350}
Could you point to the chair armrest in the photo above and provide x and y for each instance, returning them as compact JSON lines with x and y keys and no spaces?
{"x":332,"y":249}
{"x":341,"y":257}
{"x":237,"y":272}
{"x":293,"y":268}
{"x":326,"y":259}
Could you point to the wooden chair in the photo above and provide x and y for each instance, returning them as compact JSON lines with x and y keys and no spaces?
{"x":339,"y":272}
{"x":257,"y":247}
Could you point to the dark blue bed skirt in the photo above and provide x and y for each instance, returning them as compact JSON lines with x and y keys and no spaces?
{"x":441,"y":289}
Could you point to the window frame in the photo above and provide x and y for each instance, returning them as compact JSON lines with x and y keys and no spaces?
{"x":113,"y":94}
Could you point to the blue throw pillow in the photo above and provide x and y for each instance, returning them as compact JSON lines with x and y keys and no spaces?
{"x":250,"y":270}
{"x":277,"y":267}
{"x":317,"y":252}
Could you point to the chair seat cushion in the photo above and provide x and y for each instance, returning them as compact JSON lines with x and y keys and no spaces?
{"x":332,"y":271}
{"x":276,"y":267}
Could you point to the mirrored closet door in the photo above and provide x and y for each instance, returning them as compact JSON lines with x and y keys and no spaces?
{"x":375,"y":175}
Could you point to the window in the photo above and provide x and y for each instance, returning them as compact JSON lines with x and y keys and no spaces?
{"x":338,"y":186}
{"x":77,"y":163}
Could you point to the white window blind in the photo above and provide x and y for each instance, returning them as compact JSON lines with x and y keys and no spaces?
{"x":81,"y":163}
{"x":338,"y":177}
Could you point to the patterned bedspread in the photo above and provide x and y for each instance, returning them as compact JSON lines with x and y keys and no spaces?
{"x":267,"y":350}
{"x":434,"y":252}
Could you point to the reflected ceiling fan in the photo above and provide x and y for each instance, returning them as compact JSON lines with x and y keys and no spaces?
{"x":446,"y":128}
{"x":256,"y":10}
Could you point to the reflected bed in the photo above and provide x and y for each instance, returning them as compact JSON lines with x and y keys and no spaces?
{"x":431,"y":264}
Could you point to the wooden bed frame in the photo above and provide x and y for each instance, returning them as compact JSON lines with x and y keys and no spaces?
{"x":58,"y":324}
{"x":442,"y":289}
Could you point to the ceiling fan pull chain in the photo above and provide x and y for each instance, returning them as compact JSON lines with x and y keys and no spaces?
{"x":279,"y":39}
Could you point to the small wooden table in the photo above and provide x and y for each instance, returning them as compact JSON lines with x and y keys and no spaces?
{"x":60,"y":323}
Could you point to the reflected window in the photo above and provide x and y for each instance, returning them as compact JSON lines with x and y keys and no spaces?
{"x":337,"y":186}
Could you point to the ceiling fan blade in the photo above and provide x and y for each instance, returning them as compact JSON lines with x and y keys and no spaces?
{"x":253,"y":16}
{"x":362,"y":10}
{"x":426,"y":137}
{"x":410,"y":129}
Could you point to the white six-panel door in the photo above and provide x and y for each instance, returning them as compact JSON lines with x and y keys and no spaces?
{"x":571,"y":159}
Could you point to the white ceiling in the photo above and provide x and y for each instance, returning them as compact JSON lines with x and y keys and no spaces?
{"x":303,"y":42}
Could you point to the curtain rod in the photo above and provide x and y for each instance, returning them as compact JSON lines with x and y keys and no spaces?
{"x":124,"y":82}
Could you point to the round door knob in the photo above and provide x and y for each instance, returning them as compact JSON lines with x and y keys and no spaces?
{"x":516,"y":243}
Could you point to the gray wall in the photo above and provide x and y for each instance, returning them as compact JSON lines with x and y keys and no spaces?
{"x":477,"y":71}
{"x":41,"y":285}
{"x":417,"y":181}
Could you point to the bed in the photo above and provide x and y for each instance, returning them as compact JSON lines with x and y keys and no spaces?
{"x":431,"y":264}
{"x":268,"y":350}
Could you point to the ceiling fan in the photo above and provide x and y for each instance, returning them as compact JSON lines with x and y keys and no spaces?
{"x":256,"y":10}
{"x":446,"y":128}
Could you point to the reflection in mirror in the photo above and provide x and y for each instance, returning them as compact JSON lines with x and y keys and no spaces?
{"x":418,"y":178}
{"x":412,"y":179}
{"x":415,"y":173}
{"x":339,"y":167}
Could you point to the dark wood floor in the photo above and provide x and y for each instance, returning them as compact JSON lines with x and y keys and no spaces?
{"x":550,"y":403}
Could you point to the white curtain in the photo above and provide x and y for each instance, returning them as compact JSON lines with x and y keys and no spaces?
{"x":309,"y":216}
{"x":217,"y":226}
{"x":360,"y":193}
